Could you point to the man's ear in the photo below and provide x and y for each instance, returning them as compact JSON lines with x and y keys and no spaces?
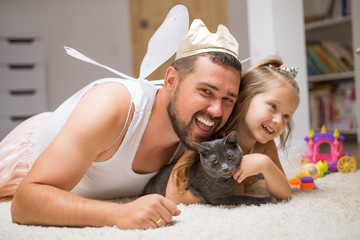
{"x":171,"y":78}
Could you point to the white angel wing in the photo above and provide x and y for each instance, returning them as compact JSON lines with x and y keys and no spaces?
{"x":163,"y":44}
{"x":76,"y":54}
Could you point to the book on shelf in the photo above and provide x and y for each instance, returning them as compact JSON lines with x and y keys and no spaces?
{"x":315,"y":60}
{"x":335,"y":9}
{"x":333,"y":106}
{"x":319,"y":100}
{"x":338,"y":8}
{"x":325,"y":57}
{"x":336,"y":56}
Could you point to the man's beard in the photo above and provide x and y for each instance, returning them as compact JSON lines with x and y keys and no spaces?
{"x":183,"y":130}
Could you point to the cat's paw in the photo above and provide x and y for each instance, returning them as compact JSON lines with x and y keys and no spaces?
{"x":270,"y":200}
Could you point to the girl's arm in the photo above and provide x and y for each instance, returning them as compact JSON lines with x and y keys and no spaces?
{"x":265,"y":161}
{"x":173,"y":193}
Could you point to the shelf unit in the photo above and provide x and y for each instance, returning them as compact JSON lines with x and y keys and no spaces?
{"x":22,"y":81}
{"x":343,"y":30}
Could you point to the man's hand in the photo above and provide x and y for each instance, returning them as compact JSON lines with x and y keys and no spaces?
{"x":150,"y":211}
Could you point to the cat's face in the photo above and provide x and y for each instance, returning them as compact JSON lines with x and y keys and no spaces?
{"x":220,"y":157}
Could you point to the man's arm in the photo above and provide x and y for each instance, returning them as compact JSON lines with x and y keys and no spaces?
{"x":43,"y":197}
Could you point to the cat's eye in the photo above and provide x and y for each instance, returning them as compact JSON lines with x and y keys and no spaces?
{"x":230,"y":157}
{"x":215,"y":161}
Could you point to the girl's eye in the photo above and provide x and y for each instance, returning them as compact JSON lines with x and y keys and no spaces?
{"x":287,"y":116}
{"x":230,"y":157}
{"x":273,"y":106}
{"x":215,"y":161}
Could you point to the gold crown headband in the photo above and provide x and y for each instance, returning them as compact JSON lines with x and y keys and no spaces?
{"x":200,"y":40}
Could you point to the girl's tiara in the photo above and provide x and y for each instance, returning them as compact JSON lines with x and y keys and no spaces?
{"x":291,"y":71}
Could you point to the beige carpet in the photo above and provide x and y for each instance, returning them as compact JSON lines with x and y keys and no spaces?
{"x":331,"y":212}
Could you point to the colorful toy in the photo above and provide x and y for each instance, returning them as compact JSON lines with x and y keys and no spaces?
{"x":323,"y":167}
{"x":335,"y":159}
{"x":309,"y":170}
{"x":303,"y":183}
{"x":346,"y":164}
{"x":317,"y":164}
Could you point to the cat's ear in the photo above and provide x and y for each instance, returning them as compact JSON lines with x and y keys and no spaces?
{"x":231,"y":138}
{"x":202,"y":149}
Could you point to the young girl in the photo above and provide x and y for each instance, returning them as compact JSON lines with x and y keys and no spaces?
{"x":268,"y":98}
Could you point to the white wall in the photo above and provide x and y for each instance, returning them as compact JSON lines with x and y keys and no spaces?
{"x":276,"y":27}
{"x":238,"y":25}
{"x":99,"y":29}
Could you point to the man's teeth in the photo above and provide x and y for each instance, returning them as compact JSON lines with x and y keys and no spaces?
{"x":206,"y":122}
{"x":267,"y":129}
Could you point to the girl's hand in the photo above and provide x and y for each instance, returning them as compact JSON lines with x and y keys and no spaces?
{"x":276,"y":181}
{"x":251,"y":164}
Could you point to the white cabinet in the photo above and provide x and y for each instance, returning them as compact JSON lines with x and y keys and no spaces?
{"x":333,"y":94}
{"x":22,"y":81}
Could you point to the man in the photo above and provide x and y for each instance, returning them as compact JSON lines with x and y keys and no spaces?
{"x":114,"y":135}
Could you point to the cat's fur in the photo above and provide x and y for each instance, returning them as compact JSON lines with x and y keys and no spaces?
{"x":210,"y":178}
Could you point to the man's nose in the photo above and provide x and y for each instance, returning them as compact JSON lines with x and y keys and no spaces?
{"x":215,"y":108}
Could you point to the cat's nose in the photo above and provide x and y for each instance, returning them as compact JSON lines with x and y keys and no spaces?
{"x":225,"y":168}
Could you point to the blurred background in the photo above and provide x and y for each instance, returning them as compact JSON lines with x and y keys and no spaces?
{"x":37,"y":75}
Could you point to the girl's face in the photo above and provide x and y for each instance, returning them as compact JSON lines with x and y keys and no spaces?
{"x":269,"y":112}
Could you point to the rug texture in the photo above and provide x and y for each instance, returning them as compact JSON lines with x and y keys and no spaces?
{"x":331,"y":212}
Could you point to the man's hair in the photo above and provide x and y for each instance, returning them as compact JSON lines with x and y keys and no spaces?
{"x":185,"y":66}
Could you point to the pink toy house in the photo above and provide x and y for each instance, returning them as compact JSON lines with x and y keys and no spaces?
{"x":331,"y":142}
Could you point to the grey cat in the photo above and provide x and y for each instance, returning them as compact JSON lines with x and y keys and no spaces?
{"x":210,"y":179}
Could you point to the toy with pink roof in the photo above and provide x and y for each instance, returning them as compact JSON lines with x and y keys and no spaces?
{"x":317,"y":163}
{"x":335,"y":159}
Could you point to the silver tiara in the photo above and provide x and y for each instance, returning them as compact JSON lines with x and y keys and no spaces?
{"x":291,"y":71}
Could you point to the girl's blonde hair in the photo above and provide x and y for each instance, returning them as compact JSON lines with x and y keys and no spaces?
{"x":259,"y":79}
{"x":181,"y":172}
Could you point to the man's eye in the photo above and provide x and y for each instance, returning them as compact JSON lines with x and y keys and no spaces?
{"x":206,"y":91}
{"x":230,"y":100}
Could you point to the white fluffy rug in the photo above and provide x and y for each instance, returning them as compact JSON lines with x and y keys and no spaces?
{"x":331,"y":212}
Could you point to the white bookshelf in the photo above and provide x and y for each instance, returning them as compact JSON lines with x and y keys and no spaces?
{"x":343,"y":29}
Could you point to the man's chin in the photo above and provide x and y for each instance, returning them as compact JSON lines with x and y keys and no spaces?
{"x":190,"y":143}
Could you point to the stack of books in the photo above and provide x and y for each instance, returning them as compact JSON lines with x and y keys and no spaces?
{"x":327,"y":57}
{"x":333,"y":105}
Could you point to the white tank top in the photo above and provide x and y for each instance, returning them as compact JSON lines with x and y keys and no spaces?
{"x":114,"y":177}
